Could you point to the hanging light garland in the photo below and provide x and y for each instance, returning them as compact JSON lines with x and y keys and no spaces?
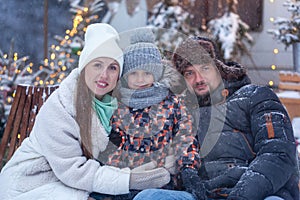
{"x":275,"y":51}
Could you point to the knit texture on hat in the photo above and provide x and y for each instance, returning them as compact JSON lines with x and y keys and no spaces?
{"x":202,"y":50}
{"x":143,"y":54}
{"x":101,"y":40}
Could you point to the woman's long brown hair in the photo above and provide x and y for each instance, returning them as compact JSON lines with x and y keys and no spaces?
{"x":84,"y":98}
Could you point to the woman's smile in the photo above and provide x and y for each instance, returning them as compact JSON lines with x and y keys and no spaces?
{"x":101,"y":84}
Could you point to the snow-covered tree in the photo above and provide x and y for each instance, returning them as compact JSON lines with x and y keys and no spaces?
{"x":172,"y":22}
{"x":288,"y":29}
{"x":64,"y":55}
{"x":231,"y":33}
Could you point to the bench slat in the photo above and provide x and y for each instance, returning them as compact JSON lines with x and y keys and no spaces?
{"x":27,"y":103}
{"x":289,"y":77}
{"x":289,"y":86}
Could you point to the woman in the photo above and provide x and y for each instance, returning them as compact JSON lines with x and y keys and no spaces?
{"x":56,"y":160}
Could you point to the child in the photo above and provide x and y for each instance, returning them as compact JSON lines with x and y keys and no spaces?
{"x":151,"y":122}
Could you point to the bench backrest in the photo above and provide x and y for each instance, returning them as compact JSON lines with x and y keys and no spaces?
{"x":289,"y":92}
{"x":27,"y":103}
{"x":289,"y":81}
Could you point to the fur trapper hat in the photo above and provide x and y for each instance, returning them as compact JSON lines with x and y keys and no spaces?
{"x":202,"y":50}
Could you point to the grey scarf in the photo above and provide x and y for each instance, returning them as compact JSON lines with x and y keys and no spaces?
{"x":139,"y":99}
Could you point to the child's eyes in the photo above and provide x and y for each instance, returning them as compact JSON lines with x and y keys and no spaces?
{"x":132,"y":73}
{"x":138,"y":73}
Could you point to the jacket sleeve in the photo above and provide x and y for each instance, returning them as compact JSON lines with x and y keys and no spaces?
{"x":56,"y":134}
{"x":185,"y":140}
{"x":274,"y":145}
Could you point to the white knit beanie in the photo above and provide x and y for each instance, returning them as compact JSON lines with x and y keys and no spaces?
{"x":101,"y":40}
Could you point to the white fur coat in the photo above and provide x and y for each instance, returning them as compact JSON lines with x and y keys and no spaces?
{"x":49,"y":163}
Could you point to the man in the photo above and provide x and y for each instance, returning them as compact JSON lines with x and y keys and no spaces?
{"x":254,"y":153}
{"x":248,"y":147}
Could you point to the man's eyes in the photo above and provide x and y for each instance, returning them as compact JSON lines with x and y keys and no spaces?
{"x":189,"y":73}
{"x":205,"y":68}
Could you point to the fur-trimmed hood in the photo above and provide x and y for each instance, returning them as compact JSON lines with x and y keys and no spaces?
{"x":171,"y":78}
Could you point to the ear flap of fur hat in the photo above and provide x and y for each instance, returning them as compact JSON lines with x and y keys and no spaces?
{"x":202,"y":50}
{"x":232,"y":71}
{"x":101,"y":40}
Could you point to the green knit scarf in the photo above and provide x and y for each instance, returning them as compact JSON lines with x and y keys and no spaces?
{"x":104,"y":109}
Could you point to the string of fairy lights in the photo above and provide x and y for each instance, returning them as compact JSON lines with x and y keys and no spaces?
{"x":275,"y":50}
{"x":63,"y":57}
{"x":287,"y":29}
{"x":60,"y":60}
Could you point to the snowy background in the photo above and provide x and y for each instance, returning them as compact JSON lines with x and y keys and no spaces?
{"x":22,"y":21}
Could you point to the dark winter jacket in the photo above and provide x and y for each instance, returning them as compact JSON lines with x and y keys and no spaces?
{"x":248,"y":148}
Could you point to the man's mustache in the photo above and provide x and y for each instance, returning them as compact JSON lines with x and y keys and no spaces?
{"x":200,"y":83}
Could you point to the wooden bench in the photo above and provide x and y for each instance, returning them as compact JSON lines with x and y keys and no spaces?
{"x":289,"y":92}
{"x":27,"y":103}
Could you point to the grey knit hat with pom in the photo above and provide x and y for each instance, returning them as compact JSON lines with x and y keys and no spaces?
{"x":143,"y":54}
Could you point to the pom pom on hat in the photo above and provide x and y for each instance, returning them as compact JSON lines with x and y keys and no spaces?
{"x":101,"y":40}
{"x":143,"y":54}
{"x":142,"y":35}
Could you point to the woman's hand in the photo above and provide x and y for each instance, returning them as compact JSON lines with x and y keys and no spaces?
{"x":148,"y":176}
{"x":170,"y":164}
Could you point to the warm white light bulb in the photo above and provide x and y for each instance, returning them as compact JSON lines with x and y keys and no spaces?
{"x":271,"y":83}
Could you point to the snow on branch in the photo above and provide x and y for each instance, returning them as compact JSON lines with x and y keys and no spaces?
{"x":231,"y":33}
{"x":288,"y":29}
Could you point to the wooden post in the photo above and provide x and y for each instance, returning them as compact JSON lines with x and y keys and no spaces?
{"x":45,"y":29}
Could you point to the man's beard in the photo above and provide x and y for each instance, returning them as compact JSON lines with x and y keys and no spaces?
{"x":204,"y":99}
{"x":211,"y":97}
